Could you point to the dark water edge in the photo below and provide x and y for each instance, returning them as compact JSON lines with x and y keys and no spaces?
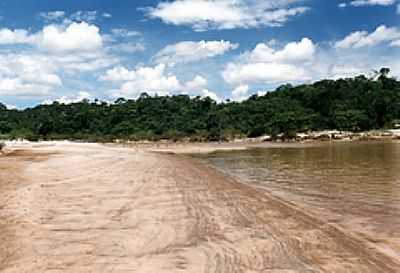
{"x":355,"y":185}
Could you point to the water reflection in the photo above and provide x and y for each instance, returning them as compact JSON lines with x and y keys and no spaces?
{"x":354,"y":185}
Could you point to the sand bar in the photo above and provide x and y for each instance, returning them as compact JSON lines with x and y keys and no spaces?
{"x":86,"y":208}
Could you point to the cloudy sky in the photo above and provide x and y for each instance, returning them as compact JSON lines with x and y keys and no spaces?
{"x":71,"y":50}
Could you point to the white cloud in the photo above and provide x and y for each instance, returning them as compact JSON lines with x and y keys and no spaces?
{"x":57,"y":38}
{"x":16,"y":87}
{"x":38,"y":70}
{"x":18,"y":36}
{"x":72,"y":63}
{"x":292,"y":52}
{"x":78,"y":16}
{"x":121,"y":40}
{"x":122,"y":32}
{"x":11,"y":107}
{"x":130,"y":47}
{"x":261,"y":93}
{"x":362,"y":3}
{"x":24,"y":75}
{"x":343,"y":71}
{"x":80,"y":96}
{"x":75,"y":37}
{"x":266,"y":73}
{"x":226,"y":14}
{"x":39,"y":75}
{"x":268,"y":65}
{"x":198,"y":83}
{"x":118,"y":74}
{"x":84,"y":16}
{"x":52,"y":15}
{"x":359,"y":3}
{"x":395,"y":43}
{"x":299,"y":62}
{"x":240,"y":93}
{"x":205,"y":93}
{"x":359,"y":39}
{"x":152,"y":80}
{"x":59,"y":55}
{"x":189,"y":51}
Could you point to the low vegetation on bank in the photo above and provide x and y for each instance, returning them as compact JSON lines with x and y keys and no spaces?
{"x":353,"y":104}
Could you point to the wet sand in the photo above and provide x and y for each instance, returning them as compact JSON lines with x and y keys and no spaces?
{"x":91,"y":208}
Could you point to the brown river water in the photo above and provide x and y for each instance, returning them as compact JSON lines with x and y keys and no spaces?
{"x":355,"y":186}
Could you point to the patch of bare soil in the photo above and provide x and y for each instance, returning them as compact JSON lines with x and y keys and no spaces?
{"x":90,"y":208}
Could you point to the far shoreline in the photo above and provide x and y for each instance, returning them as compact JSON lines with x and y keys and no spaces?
{"x":187,"y":148}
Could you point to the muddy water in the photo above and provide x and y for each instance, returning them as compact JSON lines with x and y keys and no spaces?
{"x":355,"y":186}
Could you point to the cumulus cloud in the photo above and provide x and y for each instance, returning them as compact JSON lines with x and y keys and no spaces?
{"x":240,"y":93}
{"x":16,"y":87}
{"x":17,"y":36}
{"x":298,"y":62}
{"x":118,"y":74}
{"x":152,"y":80}
{"x":198,"y":83}
{"x":359,"y":39}
{"x":265,"y":64}
{"x":205,"y":93}
{"x":86,"y":62}
{"x":40,"y":75}
{"x":190,"y":51}
{"x":58,"y":55}
{"x":57,"y":38}
{"x":292,"y":52}
{"x":75,"y":37}
{"x":24,"y":75}
{"x":226,"y":14}
{"x":266,"y":73}
{"x":55,"y":52}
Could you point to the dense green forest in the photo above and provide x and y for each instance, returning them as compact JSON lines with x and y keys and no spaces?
{"x":354,"y":104}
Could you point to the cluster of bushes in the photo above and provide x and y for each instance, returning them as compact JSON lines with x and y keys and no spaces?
{"x":353,"y":104}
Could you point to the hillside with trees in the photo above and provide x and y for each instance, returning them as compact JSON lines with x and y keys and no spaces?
{"x":355,"y":104}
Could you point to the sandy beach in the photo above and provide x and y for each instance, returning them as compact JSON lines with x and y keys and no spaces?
{"x":91,"y":208}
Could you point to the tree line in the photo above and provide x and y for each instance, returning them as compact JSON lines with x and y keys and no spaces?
{"x":352,"y":104}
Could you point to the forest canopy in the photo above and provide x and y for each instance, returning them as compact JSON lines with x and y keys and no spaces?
{"x":353,"y":104}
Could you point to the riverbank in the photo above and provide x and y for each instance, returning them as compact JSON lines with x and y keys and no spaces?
{"x":187,"y":146}
{"x":70,"y":207}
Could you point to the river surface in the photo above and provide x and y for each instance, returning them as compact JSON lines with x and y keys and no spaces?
{"x":355,"y":186}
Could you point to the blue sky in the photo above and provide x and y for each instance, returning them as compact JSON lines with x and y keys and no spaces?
{"x":225,"y":49}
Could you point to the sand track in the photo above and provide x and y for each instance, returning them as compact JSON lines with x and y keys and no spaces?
{"x":89,"y":208}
